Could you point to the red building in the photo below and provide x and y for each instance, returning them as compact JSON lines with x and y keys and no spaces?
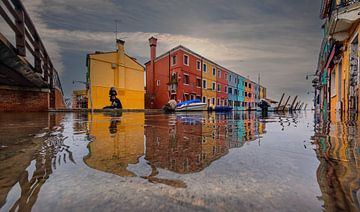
{"x":221,"y":87}
{"x":175,"y":74}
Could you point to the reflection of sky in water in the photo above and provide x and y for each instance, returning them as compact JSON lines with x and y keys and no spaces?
{"x":187,"y":162}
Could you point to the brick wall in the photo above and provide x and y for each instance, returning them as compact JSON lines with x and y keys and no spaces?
{"x":23,"y":101}
{"x":59,"y":101}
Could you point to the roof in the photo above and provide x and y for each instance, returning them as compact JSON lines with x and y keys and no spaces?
{"x":98,"y":52}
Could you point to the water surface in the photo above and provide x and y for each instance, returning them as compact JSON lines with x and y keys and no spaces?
{"x":195,"y":161}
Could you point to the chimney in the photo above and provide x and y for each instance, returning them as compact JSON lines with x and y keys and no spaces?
{"x":120,"y":45}
{"x":152,"y":43}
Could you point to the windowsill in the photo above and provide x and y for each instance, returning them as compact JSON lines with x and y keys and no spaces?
{"x":186,"y":84}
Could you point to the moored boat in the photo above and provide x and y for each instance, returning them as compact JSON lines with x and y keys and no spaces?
{"x":223,"y":109}
{"x":191,"y":105}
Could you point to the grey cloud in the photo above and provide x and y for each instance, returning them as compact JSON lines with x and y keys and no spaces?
{"x":277,"y":38}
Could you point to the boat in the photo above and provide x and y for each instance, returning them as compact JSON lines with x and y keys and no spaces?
{"x":191,"y":105}
{"x":223,"y":109}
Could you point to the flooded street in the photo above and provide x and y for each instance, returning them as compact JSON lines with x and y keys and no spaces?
{"x":237,"y":161}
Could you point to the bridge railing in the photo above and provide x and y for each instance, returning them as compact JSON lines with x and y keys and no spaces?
{"x":28,"y":40}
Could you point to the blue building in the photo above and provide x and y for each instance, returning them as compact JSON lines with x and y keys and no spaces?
{"x":241,"y":96}
{"x":232,"y":89}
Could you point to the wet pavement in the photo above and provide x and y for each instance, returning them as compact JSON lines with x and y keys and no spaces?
{"x":238,"y":161}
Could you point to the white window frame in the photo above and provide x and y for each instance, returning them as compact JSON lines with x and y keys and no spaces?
{"x":204,"y":67}
{"x":188,"y":59}
{"x":204,"y":86}
{"x":214,"y":86}
{"x":214,"y":71}
{"x":333,"y":82}
{"x":198,"y":62}
{"x":218,"y":87}
{"x":185,"y":74}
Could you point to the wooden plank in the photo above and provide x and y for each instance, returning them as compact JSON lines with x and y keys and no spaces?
{"x":9,"y":21}
{"x":10,"y":8}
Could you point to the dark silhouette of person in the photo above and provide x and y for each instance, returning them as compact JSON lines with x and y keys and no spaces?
{"x":115,"y":102}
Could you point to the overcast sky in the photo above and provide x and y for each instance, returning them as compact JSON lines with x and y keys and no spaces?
{"x":279,"y":39}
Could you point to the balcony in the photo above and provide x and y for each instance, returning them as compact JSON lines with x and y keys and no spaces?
{"x":343,"y":17}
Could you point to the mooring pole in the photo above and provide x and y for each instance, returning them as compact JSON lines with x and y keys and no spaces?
{"x":282,"y":97}
{"x":287,"y":101}
{"x":293,"y":103}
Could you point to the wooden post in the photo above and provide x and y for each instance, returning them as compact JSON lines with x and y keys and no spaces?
{"x":293,"y":103}
{"x":37,"y":54}
{"x":20,"y":36}
{"x":287,"y":101}
{"x":282,"y":97}
{"x":51,"y":76}
{"x":46,"y":69}
{"x":297,"y":103}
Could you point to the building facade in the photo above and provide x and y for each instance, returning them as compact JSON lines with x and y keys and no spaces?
{"x":222,"y":86}
{"x":336,"y":81}
{"x":114,"y":69}
{"x":181,"y":74}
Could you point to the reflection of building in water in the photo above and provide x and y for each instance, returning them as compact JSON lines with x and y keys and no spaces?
{"x":338,"y":173}
{"x":118,"y":142}
{"x":33,"y":165}
{"x":174,"y":143}
{"x":189,"y":143}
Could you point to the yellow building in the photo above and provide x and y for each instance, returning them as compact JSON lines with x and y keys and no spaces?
{"x":337,"y":82}
{"x":209,"y":83}
{"x":118,"y":141}
{"x":115,"y":69}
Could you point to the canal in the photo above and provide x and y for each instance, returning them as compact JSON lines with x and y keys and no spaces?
{"x":239,"y":161}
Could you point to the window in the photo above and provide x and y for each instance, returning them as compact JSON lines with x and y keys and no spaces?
{"x":219,"y":88}
{"x":225,"y":90}
{"x":173,"y":60}
{"x":214,"y":71}
{"x":214,"y":86}
{"x":204,"y":84}
{"x":246,"y":94}
{"x":218,"y":101}
{"x":158,"y":82}
{"x":219,"y":73}
{"x":249,"y":85}
{"x":229,"y":78}
{"x":213,"y":101}
{"x":332,"y":83}
{"x":226,"y":76}
{"x":204,"y":99}
{"x":230,"y":90}
{"x":198,"y":82}
{"x":198,"y":65}
{"x":186,"y":59}
{"x":245,"y":85}
{"x":249,"y":94}
{"x":204,"y":68}
{"x":186,"y":79}
{"x":236,"y":92}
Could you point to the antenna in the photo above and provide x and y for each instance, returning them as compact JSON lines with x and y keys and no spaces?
{"x":116,"y":28}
